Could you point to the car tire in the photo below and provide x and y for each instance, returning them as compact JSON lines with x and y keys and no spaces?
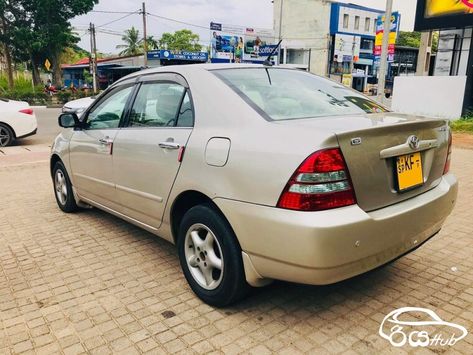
{"x":63,"y":189}
{"x":6,"y":135}
{"x":206,"y":241}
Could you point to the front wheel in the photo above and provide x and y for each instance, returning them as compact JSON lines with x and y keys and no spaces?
{"x":63,"y":189}
{"x":210,"y":257}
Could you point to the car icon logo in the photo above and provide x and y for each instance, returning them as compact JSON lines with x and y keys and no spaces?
{"x":414,"y":142}
{"x":419,"y":327}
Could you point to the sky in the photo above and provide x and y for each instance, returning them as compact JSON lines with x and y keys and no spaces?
{"x":250,"y":13}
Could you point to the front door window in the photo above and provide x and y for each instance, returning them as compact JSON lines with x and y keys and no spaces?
{"x":107,"y":114}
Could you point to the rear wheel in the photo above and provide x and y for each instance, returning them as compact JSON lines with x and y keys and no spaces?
{"x":63,"y":189}
{"x":210,"y":257}
{"x":6,"y":135}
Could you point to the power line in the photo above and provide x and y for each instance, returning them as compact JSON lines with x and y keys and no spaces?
{"x":119,"y":19}
{"x":247,"y":35}
{"x":111,"y":12}
{"x":178,"y":21}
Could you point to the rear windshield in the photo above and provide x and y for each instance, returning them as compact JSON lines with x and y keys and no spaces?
{"x":285,"y":94}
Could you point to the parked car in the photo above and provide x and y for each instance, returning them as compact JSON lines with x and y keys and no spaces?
{"x":17,"y":120}
{"x":257,"y":173}
{"x":78,"y":106}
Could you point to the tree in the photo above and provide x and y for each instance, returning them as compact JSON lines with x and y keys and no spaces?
{"x":412,"y":39}
{"x":36,"y":30}
{"x":133,"y":43}
{"x":152,"y":43}
{"x":183,"y":40}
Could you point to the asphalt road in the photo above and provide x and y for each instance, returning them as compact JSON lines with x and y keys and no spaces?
{"x":48,"y":128}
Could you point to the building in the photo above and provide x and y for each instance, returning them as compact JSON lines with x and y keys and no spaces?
{"x":455,"y":49}
{"x":352,"y":42}
{"x":110,"y":70}
{"x":329,"y":38}
{"x":304,"y":26}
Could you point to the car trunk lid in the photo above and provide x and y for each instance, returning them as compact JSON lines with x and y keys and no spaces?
{"x":371,"y":145}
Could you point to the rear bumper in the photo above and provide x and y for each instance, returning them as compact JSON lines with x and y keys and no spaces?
{"x":27,"y":126}
{"x":330,"y":246}
{"x":28,"y":134}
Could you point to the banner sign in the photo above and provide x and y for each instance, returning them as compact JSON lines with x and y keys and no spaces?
{"x":443,"y":14}
{"x":394,"y":29}
{"x":178,"y":55}
{"x":347,"y":48}
{"x":239,"y":44}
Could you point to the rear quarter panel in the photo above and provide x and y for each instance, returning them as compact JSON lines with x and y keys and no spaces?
{"x":262,"y":157}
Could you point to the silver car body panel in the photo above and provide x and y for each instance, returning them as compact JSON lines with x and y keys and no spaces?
{"x":245,"y":178}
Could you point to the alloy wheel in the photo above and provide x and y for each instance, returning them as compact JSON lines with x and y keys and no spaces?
{"x":204,"y":256}
{"x":60,"y":187}
{"x":5,"y":137}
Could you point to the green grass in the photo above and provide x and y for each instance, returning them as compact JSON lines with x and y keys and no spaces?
{"x":464,"y":124}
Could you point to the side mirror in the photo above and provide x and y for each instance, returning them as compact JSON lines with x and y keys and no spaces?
{"x":68,"y":120}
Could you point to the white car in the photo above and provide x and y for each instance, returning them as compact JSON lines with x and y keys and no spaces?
{"x":78,"y":106}
{"x":17,"y":120}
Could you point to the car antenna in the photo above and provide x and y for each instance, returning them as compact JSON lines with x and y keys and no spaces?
{"x":267,"y":62}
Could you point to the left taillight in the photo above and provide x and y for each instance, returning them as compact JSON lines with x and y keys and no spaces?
{"x":27,"y":111}
{"x":320,"y":183}
{"x":446,"y":169}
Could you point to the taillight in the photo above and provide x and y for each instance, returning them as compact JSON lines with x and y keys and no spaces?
{"x":27,"y":111}
{"x":446,"y":169}
{"x":320,"y":183}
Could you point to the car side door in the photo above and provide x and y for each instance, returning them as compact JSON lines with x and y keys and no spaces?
{"x":91,"y":147}
{"x":147,"y":152}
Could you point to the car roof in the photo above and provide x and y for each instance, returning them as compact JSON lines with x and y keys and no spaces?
{"x":182,"y":69}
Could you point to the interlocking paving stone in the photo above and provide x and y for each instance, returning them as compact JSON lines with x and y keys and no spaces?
{"x":91,"y":283}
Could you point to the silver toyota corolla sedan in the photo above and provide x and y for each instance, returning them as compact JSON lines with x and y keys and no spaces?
{"x":257,"y":173}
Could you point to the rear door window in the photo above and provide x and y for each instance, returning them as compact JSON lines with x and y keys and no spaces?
{"x":284,"y":94}
{"x":157,"y":105}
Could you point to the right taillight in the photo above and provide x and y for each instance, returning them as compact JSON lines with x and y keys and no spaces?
{"x":27,"y":111}
{"x":321,"y":182}
{"x":446,"y":169}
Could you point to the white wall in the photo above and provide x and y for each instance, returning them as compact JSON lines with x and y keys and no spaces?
{"x":362,"y":14}
{"x":432,"y":96}
{"x":305,"y":25}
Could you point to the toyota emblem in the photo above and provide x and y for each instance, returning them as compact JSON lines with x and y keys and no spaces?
{"x":413,"y":142}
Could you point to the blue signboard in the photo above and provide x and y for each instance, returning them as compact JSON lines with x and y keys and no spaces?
{"x":214,"y":26}
{"x":153,"y":54}
{"x":178,"y":55}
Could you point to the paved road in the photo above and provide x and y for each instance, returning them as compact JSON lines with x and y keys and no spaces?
{"x":89,"y":282}
{"x":48,"y":128}
{"x":37,"y":147}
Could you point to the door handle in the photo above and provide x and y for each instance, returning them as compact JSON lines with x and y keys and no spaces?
{"x":169,"y":145}
{"x":105,"y":141}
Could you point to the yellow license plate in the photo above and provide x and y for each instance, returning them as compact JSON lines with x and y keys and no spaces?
{"x":409,"y":171}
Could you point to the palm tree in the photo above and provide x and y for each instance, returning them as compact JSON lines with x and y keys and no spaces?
{"x":132,"y":44}
{"x":152,"y":43}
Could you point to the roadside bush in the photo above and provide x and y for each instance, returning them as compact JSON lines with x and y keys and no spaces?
{"x":464,"y":124}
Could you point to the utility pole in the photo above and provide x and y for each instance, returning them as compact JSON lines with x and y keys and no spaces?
{"x":384,"y":50}
{"x":425,"y":50}
{"x":280,"y":31}
{"x":93,"y":56}
{"x":145,"y":37}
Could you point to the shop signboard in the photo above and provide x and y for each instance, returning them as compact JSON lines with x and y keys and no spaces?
{"x":347,"y":48}
{"x":443,"y":14}
{"x":394,"y":29}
